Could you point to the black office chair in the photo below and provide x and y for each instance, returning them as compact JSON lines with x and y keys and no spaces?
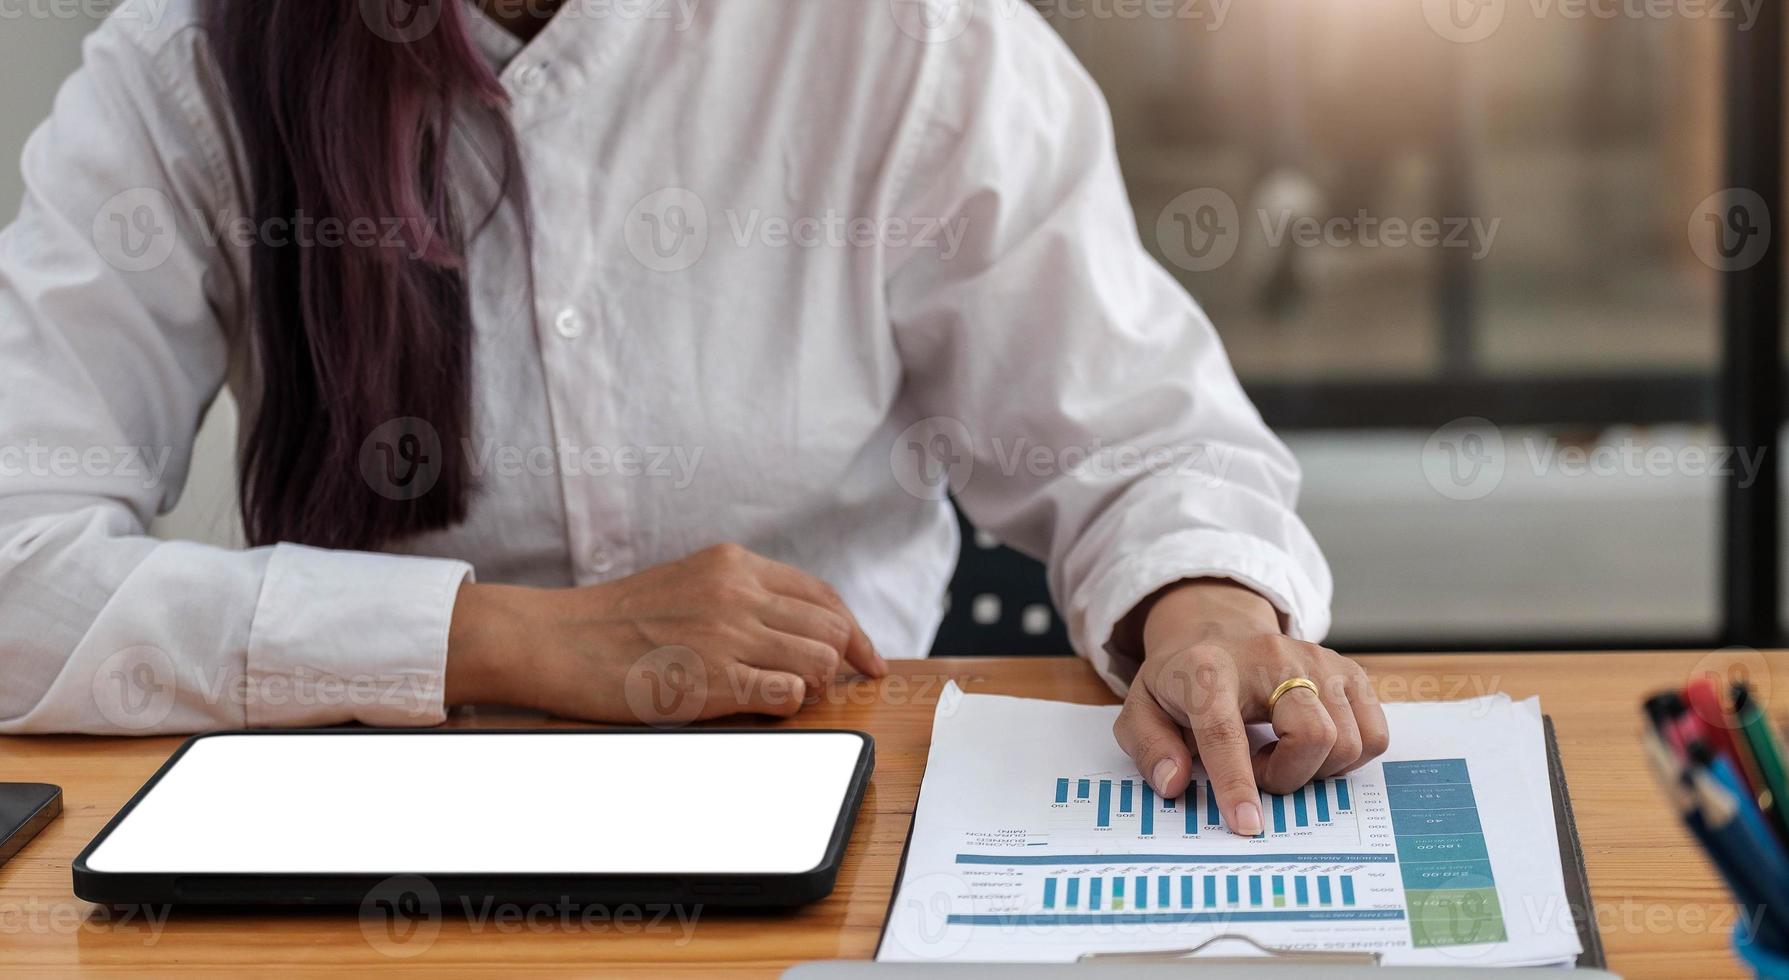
{"x":999,"y":604}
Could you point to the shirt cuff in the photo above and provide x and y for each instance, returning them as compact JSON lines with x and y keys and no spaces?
{"x":350,"y":637}
{"x":1241,"y":558}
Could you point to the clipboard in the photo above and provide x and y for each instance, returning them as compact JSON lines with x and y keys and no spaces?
{"x":1571,"y":860}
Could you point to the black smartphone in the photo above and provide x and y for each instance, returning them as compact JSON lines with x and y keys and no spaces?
{"x":25,"y":809}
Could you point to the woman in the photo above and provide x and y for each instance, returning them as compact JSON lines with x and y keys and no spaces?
{"x":676,"y":324}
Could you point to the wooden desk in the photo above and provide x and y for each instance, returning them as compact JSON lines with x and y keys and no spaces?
{"x":1662,"y":912}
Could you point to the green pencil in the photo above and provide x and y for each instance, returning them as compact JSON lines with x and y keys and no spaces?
{"x":1756,"y":729}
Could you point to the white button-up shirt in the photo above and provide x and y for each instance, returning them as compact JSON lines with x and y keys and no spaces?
{"x":802,"y":269}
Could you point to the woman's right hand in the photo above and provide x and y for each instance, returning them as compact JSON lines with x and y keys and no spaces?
{"x":721,"y":632}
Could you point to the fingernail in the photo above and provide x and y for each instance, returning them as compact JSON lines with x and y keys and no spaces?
{"x":1248,"y":819}
{"x":1164,"y":774}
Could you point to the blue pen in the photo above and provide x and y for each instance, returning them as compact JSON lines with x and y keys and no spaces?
{"x":1767,"y":849}
{"x":1733,"y":820}
{"x":1722,"y":849}
{"x":1729,"y":859}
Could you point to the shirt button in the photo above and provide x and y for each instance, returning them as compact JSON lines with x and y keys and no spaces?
{"x":600,"y":562}
{"x":569,"y":324}
{"x":531,"y":78}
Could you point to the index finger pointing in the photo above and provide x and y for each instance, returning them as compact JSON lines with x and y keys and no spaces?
{"x":1222,"y":742}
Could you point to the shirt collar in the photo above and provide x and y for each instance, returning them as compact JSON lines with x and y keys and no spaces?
{"x":495,"y":42}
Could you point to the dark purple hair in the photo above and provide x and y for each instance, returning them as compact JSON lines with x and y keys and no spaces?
{"x":346,"y":118}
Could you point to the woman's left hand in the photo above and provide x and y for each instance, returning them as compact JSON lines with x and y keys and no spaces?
{"x":1214,"y":653}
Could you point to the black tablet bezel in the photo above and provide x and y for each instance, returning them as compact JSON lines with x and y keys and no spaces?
{"x":744,"y":891}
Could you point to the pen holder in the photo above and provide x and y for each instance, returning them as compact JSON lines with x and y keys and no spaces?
{"x":1764,"y":962}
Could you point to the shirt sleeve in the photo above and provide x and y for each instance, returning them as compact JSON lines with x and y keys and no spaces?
{"x":115,"y":300}
{"x":1093,"y":417}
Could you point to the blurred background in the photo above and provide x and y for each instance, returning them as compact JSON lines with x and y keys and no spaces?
{"x":1464,"y":257}
{"x":1563,"y":309}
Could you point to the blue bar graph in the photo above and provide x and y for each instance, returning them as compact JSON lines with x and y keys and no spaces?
{"x":1308,"y":807}
{"x":1223,"y":918}
{"x":1289,"y":895}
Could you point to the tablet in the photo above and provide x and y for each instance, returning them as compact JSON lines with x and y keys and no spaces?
{"x":329,"y":817}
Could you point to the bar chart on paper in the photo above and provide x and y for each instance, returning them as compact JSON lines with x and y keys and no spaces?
{"x":1321,"y":813}
{"x":1064,"y":848}
{"x":1224,"y":891}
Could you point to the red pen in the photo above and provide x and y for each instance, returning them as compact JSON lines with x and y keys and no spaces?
{"x":1715,"y":724}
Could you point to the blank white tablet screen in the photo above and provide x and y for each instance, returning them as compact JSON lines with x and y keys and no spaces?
{"x":581,"y":803}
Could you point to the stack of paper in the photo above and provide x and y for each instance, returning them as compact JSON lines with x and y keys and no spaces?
{"x":1036,"y":840}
